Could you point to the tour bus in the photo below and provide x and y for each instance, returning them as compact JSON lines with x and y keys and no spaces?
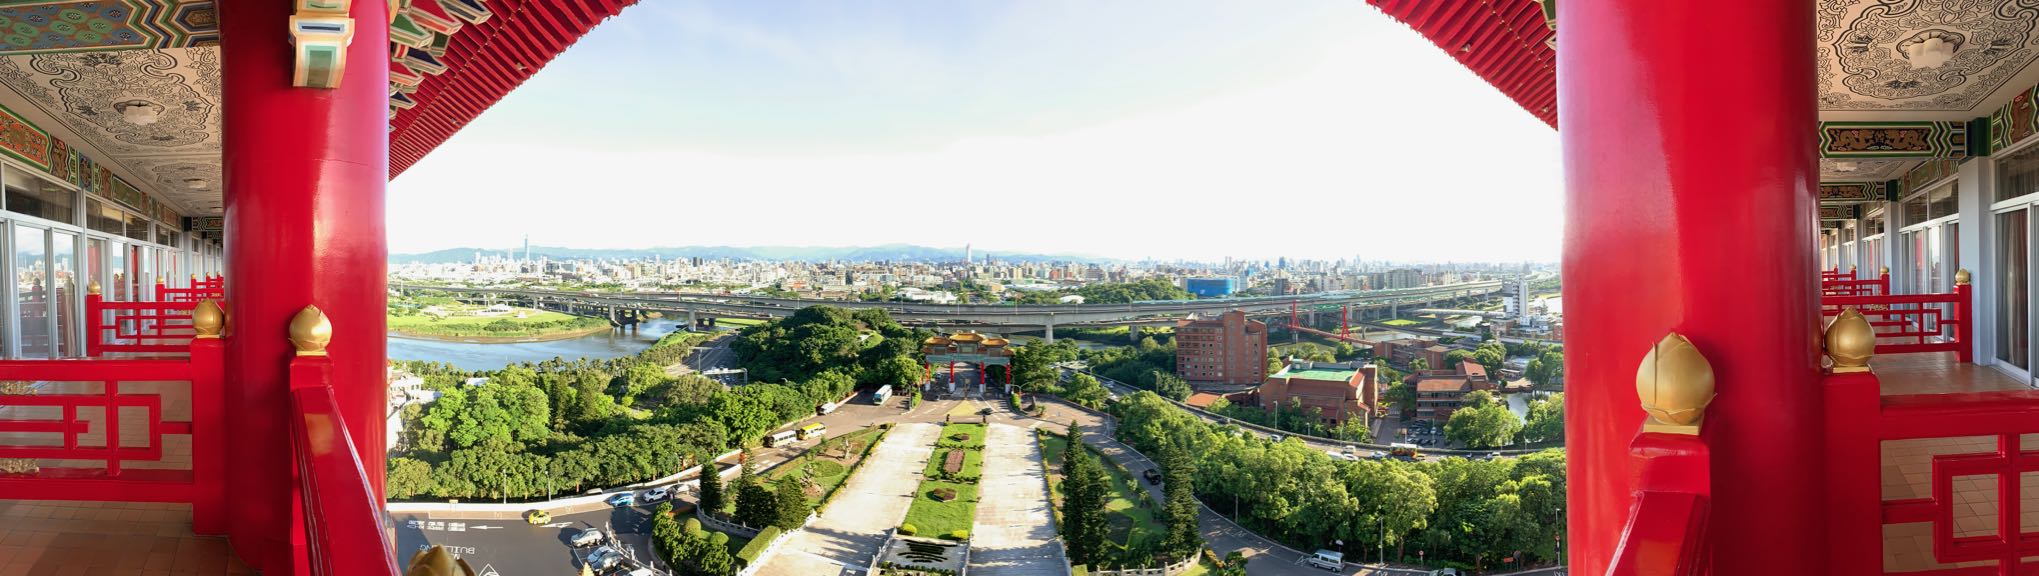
{"x":884,"y":393}
{"x":781,"y":438}
{"x":1408,"y":451}
{"x":815,"y":430}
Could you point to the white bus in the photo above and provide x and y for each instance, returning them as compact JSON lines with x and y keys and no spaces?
{"x":884,"y":393}
{"x":781,"y":438}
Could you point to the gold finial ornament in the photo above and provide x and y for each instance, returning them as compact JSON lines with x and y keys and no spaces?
{"x":1961,"y":276}
{"x":208,"y":319}
{"x":1851,"y":342}
{"x":1883,"y":271}
{"x":310,"y":332}
{"x":92,"y":288}
{"x":1675,"y":383}
{"x":436,"y":561}
{"x":194,"y":276}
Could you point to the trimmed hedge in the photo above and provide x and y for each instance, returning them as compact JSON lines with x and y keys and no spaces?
{"x":757,"y":545}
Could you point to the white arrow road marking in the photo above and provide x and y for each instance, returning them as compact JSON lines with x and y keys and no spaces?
{"x":480,"y":527}
{"x":552,"y":525}
{"x":489,"y":570}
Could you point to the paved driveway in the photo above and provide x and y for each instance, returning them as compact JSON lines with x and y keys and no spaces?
{"x":847,"y":535}
{"x":1015,"y":533}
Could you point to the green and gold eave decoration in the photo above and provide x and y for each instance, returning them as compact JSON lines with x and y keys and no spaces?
{"x":320,"y":31}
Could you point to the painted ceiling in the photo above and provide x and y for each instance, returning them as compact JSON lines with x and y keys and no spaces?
{"x":132,"y":83}
{"x":1840,"y":170}
{"x":1932,"y":59}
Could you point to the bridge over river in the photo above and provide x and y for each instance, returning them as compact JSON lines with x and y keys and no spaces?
{"x":1361,"y":304}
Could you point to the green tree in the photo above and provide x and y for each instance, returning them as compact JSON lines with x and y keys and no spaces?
{"x":1085,"y":390}
{"x":1546,"y":419}
{"x":1455,"y":357}
{"x":409,"y":477}
{"x":1084,"y":494}
{"x":1490,"y":425}
{"x":791,"y":504}
{"x":1353,"y":430}
{"x":1419,"y":364}
{"x":1181,"y":510}
{"x":756,"y":505}
{"x":711,"y":485}
{"x":1171,"y":386}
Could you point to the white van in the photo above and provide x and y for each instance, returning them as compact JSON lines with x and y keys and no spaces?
{"x":826,"y":409}
{"x":1328,"y":560}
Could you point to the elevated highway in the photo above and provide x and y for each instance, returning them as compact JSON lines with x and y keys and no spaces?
{"x":998,"y":318}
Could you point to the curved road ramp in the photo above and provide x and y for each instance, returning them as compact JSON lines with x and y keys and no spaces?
{"x":1014,"y":533}
{"x":845,"y":537}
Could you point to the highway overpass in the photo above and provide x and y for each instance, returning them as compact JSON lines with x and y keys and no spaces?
{"x":988,"y":317}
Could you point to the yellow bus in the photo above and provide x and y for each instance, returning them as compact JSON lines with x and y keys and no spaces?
{"x":815,"y":430}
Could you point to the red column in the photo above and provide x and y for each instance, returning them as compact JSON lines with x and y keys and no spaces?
{"x":305,"y":172}
{"x":1668,"y":230}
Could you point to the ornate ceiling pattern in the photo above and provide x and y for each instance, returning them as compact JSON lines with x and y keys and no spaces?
{"x":31,"y":26}
{"x":1850,"y":170}
{"x":155,"y":112}
{"x":1922,"y":54}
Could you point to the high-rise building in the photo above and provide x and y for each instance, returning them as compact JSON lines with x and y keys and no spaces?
{"x":1226,"y":350}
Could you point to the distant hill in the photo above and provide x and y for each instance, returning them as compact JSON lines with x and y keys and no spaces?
{"x":889,"y":252}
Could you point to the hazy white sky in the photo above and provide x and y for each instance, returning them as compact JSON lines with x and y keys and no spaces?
{"x":1150,"y":128}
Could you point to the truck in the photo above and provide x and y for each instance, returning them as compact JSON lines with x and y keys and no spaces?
{"x":884,"y":393}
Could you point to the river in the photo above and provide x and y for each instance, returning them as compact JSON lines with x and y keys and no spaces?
{"x":478,"y":356}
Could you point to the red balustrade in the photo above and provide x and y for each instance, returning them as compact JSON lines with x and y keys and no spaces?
{"x":48,"y":428}
{"x":1667,"y":526}
{"x":335,"y":510}
{"x":136,"y":327}
{"x":1845,"y":286}
{"x":1835,"y":274}
{"x":1860,"y":419}
{"x":1907,"y":323}
{"x":202,"y":288}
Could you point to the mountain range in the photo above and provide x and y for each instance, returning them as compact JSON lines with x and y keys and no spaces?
{"x":888,"y":252}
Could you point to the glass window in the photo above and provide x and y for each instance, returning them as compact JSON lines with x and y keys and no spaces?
{"x":2018,"y":175}
{"x":1915,"y":210}
{"x":1875,"y":225}
{"x":27,"y":194}
{"x":165,"y":237}
{"x":117,"y":289}
{"x":2013,"y":318}
{"x":137,"y":228}
{"x":1943,"y":200}
{"x":103,"y":218}
{"x":31,"y":275}
{"x":64,"y":284}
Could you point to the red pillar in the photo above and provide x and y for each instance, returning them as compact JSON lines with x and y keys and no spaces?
{"x":305,"y":172}
{"x":1669,"y":230}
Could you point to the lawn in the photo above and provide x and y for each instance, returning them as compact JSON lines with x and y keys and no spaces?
{"x":828,"y":471}
{"x":1128,"y":519}
{"x":975,"y":441}
{"x":1400,"y":322}
{"x":936,"y":519}
{"x":463,"y":324}
{"x":973,"y":463}
{"x":740,"y":322}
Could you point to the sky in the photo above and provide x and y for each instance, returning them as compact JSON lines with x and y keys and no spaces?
{"x":1167,"y":129}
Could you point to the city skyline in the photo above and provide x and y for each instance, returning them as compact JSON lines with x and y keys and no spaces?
{"x":1198,"y":131}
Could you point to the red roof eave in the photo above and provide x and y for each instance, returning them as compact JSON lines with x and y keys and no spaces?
{"x":484,"y":63}
{"x":1505,"y":42}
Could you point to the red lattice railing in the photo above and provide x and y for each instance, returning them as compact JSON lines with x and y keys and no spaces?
{"x":1907,"y":323}
{"x":136,"y":327}
{"x":46,"y":418}
{"x":1846,"y":286}
{"x":1860,"y":419}
{"x":1835,"y":274}
{"x":202,"y":288}
{"x":1667,"y":526}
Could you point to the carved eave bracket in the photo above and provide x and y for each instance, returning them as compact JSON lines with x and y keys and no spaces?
{"x":320,"y":32}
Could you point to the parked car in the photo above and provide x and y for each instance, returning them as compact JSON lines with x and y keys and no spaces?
{"x":603,"y":559}
{"x":621,"y":500}
{"x":658,"y":494}
{"x":588,"y":537}
{"x":1153,"y":476}
{"x":985,"y":412}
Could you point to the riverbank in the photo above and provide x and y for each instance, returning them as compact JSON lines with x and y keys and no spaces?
{"x":517,"y":325}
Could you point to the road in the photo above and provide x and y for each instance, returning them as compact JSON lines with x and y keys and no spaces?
{"x":715,"y":355}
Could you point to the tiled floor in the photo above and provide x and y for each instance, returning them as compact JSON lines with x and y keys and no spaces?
{"x":107,"y":538}
{"x":1907,"y":464}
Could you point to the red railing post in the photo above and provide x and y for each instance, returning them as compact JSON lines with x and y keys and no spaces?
{"x":1964,"y":318}
{"x":336,"y":519}
{"x":1883,"y":281}
{"x":95,"y":316}
{"x":208,"y":419}
{"x":1854,"y":474}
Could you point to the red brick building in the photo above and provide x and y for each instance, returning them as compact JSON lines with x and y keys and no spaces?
{"x":1404,"y":351}
{"x":1226,"y":350}
{"x":1341,"y":390}
{"x":1439,"y":392}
